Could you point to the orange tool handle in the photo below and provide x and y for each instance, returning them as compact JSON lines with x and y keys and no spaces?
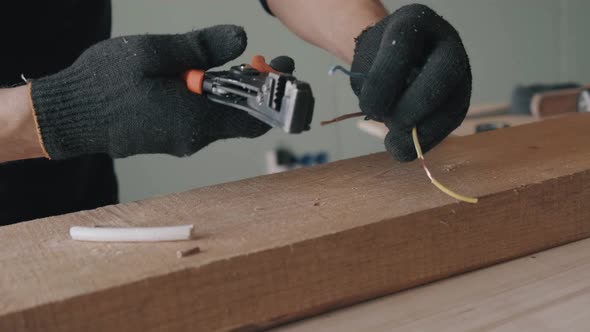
{"x":259,"y":63}
{"x":194,"y":78}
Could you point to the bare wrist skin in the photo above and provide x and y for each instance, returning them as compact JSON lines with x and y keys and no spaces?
{"x":330,"y":24}
{"x":19,"y":138}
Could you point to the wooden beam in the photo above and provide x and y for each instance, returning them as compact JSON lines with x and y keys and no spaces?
{"x":548,"y":291}
{"x":468,"y":127}
{"x":282,"y":247}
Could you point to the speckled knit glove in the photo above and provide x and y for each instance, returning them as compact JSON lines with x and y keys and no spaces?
{"x":417,"y":74}
{"x":125,"y":96}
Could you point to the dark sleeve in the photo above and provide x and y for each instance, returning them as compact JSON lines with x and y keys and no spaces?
{"x":266,"y":7}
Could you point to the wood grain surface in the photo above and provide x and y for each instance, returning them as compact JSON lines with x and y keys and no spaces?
{"x":547,"y":291}
{"x":286,"y":246}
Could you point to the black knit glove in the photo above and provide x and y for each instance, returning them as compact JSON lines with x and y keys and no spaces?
{"x":125,"y":96}
{"x":417,"y":74}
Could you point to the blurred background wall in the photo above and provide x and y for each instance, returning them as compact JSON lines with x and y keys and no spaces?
{"x":509,"y":42}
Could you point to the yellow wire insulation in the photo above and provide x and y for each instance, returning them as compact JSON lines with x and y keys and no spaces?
{"x":437,"y":184}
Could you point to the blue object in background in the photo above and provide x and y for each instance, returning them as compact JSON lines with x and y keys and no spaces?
{"x":311,"y":159}
{"x":306,"y":160}
{"x":287,"y":158}
{"x":321,"y":158}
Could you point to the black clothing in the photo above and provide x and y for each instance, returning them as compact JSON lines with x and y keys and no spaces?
{"x":42,"y":39}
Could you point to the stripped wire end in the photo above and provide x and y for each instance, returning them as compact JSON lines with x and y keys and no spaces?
{"x":435,"y":182}
{"x":336,"y":68}
{"x":417,"y":146}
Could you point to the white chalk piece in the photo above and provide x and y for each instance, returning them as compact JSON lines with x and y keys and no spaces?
{"x":131,"y":234}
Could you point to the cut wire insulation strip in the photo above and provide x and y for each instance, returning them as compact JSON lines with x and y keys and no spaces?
{"x":131,"y":234}
{"x":417,"y":146}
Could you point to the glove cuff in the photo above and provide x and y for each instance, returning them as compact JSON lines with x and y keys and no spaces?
{"x":66,"y":106}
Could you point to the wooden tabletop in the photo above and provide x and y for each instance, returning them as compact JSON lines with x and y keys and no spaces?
{"x":549,"y":291}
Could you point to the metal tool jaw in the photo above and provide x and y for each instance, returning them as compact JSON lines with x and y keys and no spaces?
{"x":277,"y":99}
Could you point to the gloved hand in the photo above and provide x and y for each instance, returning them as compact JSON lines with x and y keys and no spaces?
{"x":417,"y":73}
{"x":125,"y":96}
